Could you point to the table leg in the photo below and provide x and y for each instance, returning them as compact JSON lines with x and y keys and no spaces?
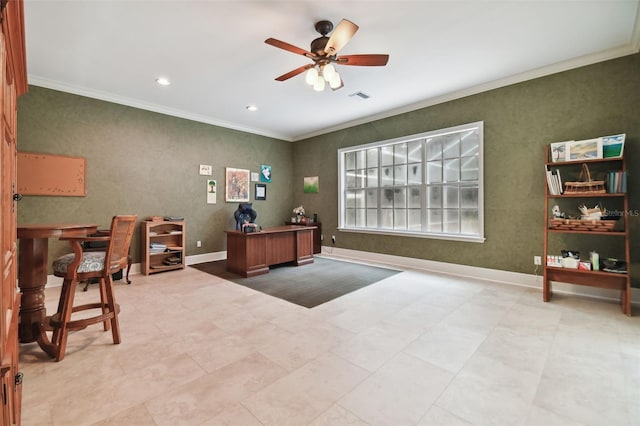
{"x":32,"y":278}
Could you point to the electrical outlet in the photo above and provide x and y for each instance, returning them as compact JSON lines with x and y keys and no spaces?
{"x":333,"y":239}
{"x":198,"y":243}
{"x":537,"y":260}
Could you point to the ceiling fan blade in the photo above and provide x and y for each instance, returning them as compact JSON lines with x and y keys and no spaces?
{"x":340,"y":37}
{"x":289,"y":47}
{"x":363,"y":60}
{"x":295,"y":72}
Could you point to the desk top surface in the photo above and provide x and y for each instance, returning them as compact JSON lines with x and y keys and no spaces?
{"x":273,"y":230}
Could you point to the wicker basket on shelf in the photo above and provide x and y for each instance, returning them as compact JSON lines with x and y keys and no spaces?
{"x":585,"y":185}
{"x":595,"y":225}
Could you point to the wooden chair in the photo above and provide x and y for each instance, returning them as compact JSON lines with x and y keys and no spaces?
{"x":78,"y":266}
{"x":102,"y":246}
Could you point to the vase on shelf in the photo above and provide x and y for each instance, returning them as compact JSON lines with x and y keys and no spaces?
{"x":303,"y":220}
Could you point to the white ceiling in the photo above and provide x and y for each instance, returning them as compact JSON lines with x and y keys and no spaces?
{"x":215,"y":56}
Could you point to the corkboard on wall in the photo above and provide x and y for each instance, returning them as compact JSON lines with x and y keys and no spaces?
{"x":47,"y":174}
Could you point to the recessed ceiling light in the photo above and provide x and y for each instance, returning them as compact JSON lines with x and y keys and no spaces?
{"x":251,"y":108}
{"x":163,"y":81}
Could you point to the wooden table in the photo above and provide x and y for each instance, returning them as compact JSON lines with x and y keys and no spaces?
{"x":250,"y":254}
{"x":32,"y":276}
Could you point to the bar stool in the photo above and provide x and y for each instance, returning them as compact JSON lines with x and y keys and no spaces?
{"x":78,"y":266}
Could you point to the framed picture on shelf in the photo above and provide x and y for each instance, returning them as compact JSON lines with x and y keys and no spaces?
{"x":237,"y":185}
{"x":613,"y":146}
{"x":588,"y":149}
{"x":558,"y":151}
{"x":260,"y":192}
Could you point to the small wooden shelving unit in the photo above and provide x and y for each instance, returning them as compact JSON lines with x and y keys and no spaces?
{"x":169,"y":233}
{"x":554,"y":238}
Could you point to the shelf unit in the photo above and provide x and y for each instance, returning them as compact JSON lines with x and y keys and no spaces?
{"x":618,"y":236}
{"x":169,"y":233}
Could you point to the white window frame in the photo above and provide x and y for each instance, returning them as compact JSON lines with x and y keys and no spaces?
{"x":422,"y":233}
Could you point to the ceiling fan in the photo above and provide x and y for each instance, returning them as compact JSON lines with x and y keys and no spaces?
{"x":323,"y":53}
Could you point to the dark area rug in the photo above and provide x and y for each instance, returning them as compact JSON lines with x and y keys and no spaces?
{"x":308,"y":285}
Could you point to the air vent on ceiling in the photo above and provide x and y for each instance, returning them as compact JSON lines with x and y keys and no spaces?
{"x":360,"y":95}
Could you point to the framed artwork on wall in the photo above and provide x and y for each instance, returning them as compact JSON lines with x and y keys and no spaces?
{"x":265,"y":173}
{"x":261,"y":191}
{"x":237,"y":185}
{"x":311,"y":184}
{"x":211,"y":191}
{"x":205,"y":169}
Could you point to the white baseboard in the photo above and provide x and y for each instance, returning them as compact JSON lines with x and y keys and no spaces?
{"x":53,"y":281}
{"x":399,"y":262}
{"x":206,"y":257}
{"x":505,"y":277}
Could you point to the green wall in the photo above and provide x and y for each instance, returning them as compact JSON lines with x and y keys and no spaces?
{"x":519,"y":122}
{"x":146,"y":163}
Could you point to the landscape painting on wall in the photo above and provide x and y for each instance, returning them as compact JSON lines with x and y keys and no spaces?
{"x":311,"y":184}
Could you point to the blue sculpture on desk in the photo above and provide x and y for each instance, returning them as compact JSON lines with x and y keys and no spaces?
{"x":245,"y":218}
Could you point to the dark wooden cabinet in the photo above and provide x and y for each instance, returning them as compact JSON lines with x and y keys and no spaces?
{"x":14,"y":84}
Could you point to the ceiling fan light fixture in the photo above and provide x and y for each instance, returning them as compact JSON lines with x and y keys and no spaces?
{"x":328,"y":71}
{"x":335,"y":81}
{"x":312,"y":76}
{"x":323,"y":53}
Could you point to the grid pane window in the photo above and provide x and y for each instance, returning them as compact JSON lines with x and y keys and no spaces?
{"x":372,"y":157}
{"x":424,"y":185}
{"x":386,"y":176}
{"x":400,"y":175}
{"x":372,"y":178}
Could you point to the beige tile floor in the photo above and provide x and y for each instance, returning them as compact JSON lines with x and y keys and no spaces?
{"x":414,"y":349}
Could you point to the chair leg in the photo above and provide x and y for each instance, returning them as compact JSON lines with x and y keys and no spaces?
{"x":65,"y":309}
{"x":112,"y":307}
{"x":55,"y":338}
{"x":103,"y":301}
{"x":128,"y":268}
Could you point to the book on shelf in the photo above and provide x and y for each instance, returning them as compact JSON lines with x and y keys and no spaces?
{"x":554,"y":181}
{"x":617,"y":182}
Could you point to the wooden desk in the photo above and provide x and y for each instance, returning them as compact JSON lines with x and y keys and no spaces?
{"x":250,"y":254}
{"x":33,"y":265}
{"x":317,"y":234}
